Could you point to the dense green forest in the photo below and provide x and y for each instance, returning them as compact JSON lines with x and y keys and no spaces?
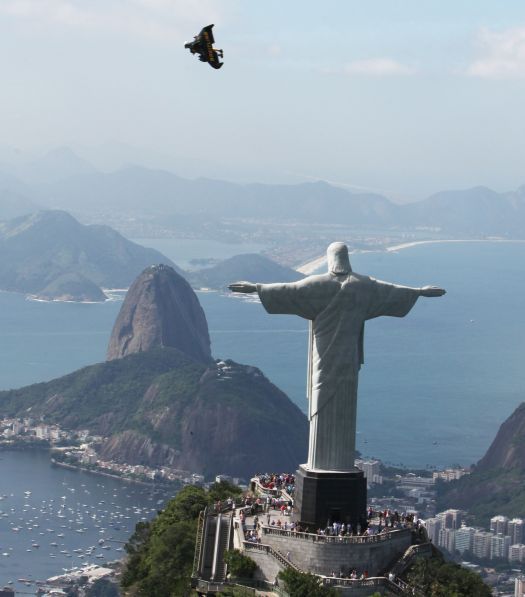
{"x":437,"y":578}
{"x":160,"y":553}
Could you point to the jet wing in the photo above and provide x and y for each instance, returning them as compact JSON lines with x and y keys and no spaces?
{"x":203,"y":45}
{"x":206,"y":34}
{"x":214,"y":60}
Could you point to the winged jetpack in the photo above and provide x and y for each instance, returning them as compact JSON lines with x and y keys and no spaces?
{"x":202,"y":45}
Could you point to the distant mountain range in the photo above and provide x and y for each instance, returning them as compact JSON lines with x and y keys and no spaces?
{"x":51,"y":255}
{"x":61,"y":180}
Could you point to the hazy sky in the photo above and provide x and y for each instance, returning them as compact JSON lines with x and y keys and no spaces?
{"x":400,"y":96}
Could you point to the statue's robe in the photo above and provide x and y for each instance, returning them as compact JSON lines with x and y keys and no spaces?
{"x":337,"y":307}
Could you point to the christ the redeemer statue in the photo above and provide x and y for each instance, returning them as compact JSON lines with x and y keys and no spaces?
{"x":337,"y":304}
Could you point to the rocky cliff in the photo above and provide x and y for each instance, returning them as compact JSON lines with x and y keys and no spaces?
{"x":160,"y":399}
{"x":160,"y":309}
{"x":508,"y":448}
{"x":497,"y":482}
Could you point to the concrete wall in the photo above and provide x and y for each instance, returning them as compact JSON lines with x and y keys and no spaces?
{"x":269,"y":567}
{"x":363,"y":591}
{"x":321,"y":557}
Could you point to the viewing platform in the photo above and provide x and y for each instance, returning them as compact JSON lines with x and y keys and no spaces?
{"x":357,"y":564}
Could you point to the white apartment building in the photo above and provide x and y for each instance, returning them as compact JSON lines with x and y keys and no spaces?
{"x":412,"y":481}
{"x":451,"y":519}
{"x":89,"y":457}
{"x":516,"y":552}
{"x":42,"y":431}
{"x":499,"y":546}
{"x":433,"y":526}
{"x":481,"y":544}
{"x":372,"y":470}
{"x":449,"y":474}
{"x":515,"y":530}
{"x":498,"y":524}
{"x":465,"y":538}
{"x":447,"y":539}
{"x":220,"y":478}
{"x":519,"y":587}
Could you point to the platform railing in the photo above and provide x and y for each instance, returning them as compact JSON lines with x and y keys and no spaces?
{"x":354,"y":539}
{"x":248,"y":545}
{"x":372,"y":582}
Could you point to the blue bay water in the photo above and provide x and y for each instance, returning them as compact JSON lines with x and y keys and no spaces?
{"x":436,"y":384}
{"x":181,"y":252}
{"x":63,"y":514}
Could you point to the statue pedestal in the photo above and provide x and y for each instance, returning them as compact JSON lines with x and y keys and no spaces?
{"x":323,"y":497}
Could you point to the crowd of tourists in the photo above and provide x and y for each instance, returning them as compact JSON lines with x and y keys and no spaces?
{"x":276,"y":511}
{"x":393,"y":519}
{"x":352,"y":574}
{"x":277,"y":481}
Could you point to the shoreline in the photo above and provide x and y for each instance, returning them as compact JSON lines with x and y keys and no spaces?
{"x":415,"y":243}
{"x":73,"y":467}
{"x":312,"y":266}
{"x":112,"y":295}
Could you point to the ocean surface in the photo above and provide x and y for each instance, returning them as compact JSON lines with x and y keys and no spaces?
{"x":52,"y":518}
{"x":182,"y":252}
{"x":435,"y":386}
{"x":434,"y":389}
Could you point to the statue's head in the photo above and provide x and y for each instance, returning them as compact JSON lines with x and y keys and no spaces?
{"x":338,"y":261}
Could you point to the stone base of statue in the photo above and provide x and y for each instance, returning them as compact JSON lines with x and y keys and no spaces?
{"x":323,"y":497}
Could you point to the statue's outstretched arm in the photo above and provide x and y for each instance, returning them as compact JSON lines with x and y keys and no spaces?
{"x":432,"y":291}
{"x":245,"y":287}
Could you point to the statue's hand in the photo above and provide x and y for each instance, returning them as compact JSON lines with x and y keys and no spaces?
{"x":246,"y":287}
{"x":432,"y":291}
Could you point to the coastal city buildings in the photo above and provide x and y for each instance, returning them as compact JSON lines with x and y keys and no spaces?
{"x":498,"y":524}
{"x":372,"y":470}
{"x":503,"y":540}
{"x":449,"y":474}
{"x":433,"y":526}
{"x":464,"y":539}
{"x":515,"y":530}
{"x":451,"y":519}
{"x":481,"y":544}
{"x":499,"y":546}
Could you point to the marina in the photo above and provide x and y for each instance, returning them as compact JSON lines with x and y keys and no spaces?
{"x":67,"y":520}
